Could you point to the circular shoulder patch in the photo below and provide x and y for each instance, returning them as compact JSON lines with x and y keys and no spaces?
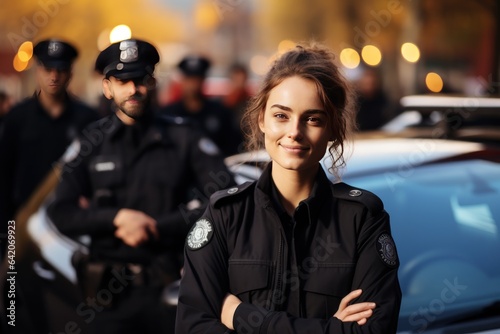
{"x":387,"y":249}
{"x":200,"y":235}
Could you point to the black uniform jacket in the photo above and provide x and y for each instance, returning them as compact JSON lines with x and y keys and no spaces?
{"x":292,"y":277}
{"x":169,"y":165}
{"x":214,"y":119}
{"x":30,"y":142}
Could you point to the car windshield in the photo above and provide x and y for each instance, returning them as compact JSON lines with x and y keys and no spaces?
{"x":445,"y":218}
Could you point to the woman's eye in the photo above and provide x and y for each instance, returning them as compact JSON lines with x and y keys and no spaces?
{"x":280,"y":116}
{"x":314,"y":120}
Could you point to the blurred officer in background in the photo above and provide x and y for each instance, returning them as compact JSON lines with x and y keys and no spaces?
{"x":127,"y":192}
{"x":35,"y":134}
{"x":373,"y":104}
{"x":5,"y":103}
{"x":238,"y":95}
{"x":209,"y":116}
{"x":37,"y":131}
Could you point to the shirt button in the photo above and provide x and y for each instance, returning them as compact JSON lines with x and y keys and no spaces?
{"x":355,"y":193}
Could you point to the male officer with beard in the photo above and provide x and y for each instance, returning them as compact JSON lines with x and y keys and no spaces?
{"x":127,"y":191}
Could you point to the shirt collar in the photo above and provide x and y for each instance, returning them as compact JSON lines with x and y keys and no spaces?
{"x":67,"y":103}
{"x":151,"y":130}
{"x":312,"y":205}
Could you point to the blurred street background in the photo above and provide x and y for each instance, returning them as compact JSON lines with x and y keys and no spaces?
{"x":427,"y":46}
{"x":442,"y":192}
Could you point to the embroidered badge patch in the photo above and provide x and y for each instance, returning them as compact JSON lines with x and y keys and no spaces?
{"x":200,"y":234}
{"x":387,"y":249}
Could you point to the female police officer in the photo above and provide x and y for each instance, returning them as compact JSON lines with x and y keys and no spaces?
{"x":278,"y":255}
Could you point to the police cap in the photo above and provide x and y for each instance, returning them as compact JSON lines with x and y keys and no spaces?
{"x":131,"y":58}
{"x":194,"y":66}
{"x":53,"y":53}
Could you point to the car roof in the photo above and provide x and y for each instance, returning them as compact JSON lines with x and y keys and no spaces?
{"x":469,"y":118}
{"x":440,"y":102}
{"x":371,"y":155}
{"x":364,"y":156}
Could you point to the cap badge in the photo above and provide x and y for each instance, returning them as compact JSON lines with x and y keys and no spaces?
{"x":54,"y":48}
{"x":129,"y":51}
{"x":193,"y":63}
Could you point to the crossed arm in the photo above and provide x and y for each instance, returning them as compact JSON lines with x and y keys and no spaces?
{"x":359,"y":312}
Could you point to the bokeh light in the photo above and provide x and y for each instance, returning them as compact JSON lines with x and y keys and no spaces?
{"x":119,"y":33}
{"x":25,"y":51}
{"x":205,"y":16}
{"x":434,"y":82}
{"x":103,"y":39}
{"x":259,"y":64}
{"x":349,"y":58}
{"x":371,"y":55}
{"x":410,"y":52}
{"x":18,"y":64}
{"x":286,"y":45}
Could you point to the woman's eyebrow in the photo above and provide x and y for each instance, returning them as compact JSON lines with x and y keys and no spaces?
{"x":314,"y":112}
{"x":279,"y":106}
{"x":308,"y":111}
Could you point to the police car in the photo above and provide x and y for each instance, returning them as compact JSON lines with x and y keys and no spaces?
{"x":441,"y":116}
{"x":443,"y":197}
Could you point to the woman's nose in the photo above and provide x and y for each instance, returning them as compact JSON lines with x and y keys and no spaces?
{"x":295,"y":130}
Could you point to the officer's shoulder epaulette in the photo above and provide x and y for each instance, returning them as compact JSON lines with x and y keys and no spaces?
{"x":371,"y":201}
{"x":222,"y":196}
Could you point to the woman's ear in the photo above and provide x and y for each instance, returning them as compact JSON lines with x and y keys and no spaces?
{"x":261,"y":121}
{"x":106,"y":88}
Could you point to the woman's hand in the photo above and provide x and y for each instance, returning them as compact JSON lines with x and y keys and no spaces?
{"x":359,"y":312}
{"x":229,"y":306}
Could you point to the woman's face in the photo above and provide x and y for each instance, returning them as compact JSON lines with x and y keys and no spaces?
{"x":295,"y":126}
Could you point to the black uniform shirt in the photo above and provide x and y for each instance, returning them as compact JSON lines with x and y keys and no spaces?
{"x":214,"y":119}
{"x":297,"y":231}
{"x":340,"y":241}
{"x":155,"y":167}
{"x":31,"y":141}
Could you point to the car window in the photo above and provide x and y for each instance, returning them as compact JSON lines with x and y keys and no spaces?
{"x":445,"y":219}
